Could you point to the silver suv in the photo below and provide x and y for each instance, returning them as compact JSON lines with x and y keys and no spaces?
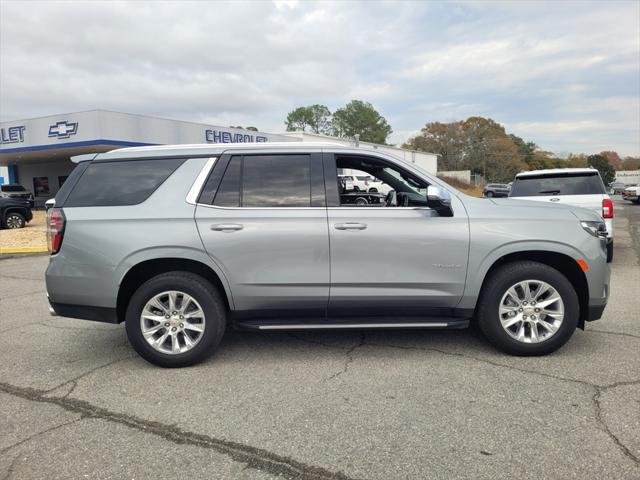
{"x":183,"y":242}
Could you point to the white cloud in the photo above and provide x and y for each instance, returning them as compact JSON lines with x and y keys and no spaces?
{"x":563,"y":74}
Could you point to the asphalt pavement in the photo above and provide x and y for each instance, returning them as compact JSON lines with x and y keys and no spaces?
{"x":77,"y":402}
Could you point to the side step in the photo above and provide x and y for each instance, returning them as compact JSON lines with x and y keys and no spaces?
{"x":462,"y":323}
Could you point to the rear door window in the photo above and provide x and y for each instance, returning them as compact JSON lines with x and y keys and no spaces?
{"x":119,"y":182}
{"x":258,"y":181}
{"x":561,"y":184}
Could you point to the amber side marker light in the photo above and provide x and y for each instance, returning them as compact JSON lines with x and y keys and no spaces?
{"x":583,"y":264}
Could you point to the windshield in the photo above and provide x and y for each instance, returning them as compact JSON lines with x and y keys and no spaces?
{"x":561,"y":184}
{"x":13,"y":188}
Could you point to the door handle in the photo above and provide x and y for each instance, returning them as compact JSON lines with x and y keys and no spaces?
{"x":350,"y":226}
{"x":226,"y":227}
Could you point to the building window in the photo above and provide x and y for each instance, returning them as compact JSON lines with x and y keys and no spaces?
{"x":41,"y":186}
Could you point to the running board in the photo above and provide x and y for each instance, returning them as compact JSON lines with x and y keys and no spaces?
{"x":344,"y":326}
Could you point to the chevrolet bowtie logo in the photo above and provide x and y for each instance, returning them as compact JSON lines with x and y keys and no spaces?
{"x":63,"y":129}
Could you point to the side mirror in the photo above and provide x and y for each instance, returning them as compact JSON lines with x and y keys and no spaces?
{"x":50,"y":203}
{"x":440,"y":200}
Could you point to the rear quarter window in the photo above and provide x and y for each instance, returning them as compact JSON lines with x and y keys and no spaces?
{"x":565,"y":184}
{"x":120,"y":182}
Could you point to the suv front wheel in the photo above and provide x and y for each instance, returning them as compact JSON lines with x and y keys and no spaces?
{"x":175,"y":319}
{"x":528,"y":308}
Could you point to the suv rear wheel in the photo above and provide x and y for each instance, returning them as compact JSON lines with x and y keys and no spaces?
{"x":175,"y":319}
{"x":528,"y":308}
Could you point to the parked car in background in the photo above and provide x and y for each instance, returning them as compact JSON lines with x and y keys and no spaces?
{"x":580,"y":187}
{"x":632,"y":194}
{"x":183,"y":242}
{"x":364,"y":183}
{"x":617,"y":188}
{"x":14,"y":190}
{"x":496,"y":190}
{"x":346,"y":182}
{"x":14,"y":212}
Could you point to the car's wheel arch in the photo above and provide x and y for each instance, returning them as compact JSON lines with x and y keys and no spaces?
{"x":138,"y":271}
{"x":561,"y":261}
{"x":8,"y":211}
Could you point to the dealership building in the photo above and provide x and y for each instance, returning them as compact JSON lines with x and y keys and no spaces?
{"x":36,"y":152}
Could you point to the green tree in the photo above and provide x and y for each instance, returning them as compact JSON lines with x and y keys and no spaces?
{"x":601,"y":163}
{"x":576,"y":161}
{"x":253,"y":129}
{"x":360,"y":118}
{"x":477,"y":144}
{"x":315,"y":118}
{"x":490,"y":151}
{"x":525,"y":149}
{"x":444,"y":139}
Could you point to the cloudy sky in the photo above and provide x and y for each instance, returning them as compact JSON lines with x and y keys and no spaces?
{"x":563,"y":74}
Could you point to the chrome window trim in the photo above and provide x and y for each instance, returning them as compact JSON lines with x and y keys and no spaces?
{"x":196,"y":188}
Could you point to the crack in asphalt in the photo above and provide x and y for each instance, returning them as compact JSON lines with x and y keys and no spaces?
{"x":15,"y":277}
{"x":89,"y":329}
{"x":255,"y":458}
{"x":595,"y":399}
{"x":74,"y":381}
{"x":348,"y":359}
{"x":38,"y":434}
{"x":11,"y":467}
{"x":622,"y":334}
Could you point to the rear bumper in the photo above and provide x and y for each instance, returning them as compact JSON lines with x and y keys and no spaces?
{"x":84,"y":312}
{"x":594,"y":312}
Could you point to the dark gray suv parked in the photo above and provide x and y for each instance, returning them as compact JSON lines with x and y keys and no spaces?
{"x":183,"y":242}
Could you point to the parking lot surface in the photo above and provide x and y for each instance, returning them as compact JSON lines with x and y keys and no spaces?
{"x":77,"y":402}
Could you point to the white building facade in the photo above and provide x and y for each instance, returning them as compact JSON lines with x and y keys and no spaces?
{"x":36,"y":152}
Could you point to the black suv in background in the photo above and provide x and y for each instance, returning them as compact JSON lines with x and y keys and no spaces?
{"x":496,"y":190}
{"x":16,"y":191}
{"x":14,"y":212}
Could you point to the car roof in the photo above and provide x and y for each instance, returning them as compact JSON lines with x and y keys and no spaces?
{"x":212,"y":149}
{"x":556,"y":171}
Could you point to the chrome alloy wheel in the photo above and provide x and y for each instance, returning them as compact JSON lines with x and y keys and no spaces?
{"x":13,"y":221}
{"x":172,"y":322}
{"x":531,"y":311}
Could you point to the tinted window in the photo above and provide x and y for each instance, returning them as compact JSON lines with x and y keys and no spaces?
{"x":276,"y":181}
{"x":120,"y":182}
{"x":561,"y":184}
{"x":229,"y":190}
{"x":13,"y":188}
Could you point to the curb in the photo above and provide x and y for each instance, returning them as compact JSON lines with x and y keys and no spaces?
{"x":13,"y":250}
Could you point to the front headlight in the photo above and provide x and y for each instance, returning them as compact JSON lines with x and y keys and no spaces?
{"x":597,"y":229}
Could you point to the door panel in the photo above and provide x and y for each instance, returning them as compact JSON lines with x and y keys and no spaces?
{"x":274,"y":259}
{"x":403,"y":262}
{"x":266,"y":227}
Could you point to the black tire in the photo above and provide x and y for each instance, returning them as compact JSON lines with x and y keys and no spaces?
{"x":14,"y":220}
{"x":488,"y":194}
{"x":373,"y":190}
{"x":609,"y":252}
{"x":356,"y":188}
{"x":361,"y":201}
{"x":203,"y":292}
{"x":495,"y":287}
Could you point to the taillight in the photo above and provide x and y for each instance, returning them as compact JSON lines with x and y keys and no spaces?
{"x":607,"y":208}
{"x":55,"y":229}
